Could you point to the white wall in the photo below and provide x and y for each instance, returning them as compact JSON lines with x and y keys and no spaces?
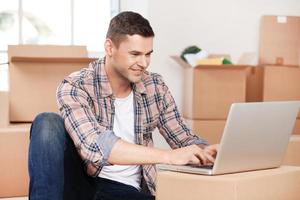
{"x":140,"y":6}
{"x":230,"y":27}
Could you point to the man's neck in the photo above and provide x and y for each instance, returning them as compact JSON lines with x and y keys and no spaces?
{"x":121,"y":87}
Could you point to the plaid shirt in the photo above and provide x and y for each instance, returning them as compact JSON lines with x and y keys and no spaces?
{"x":85,"y":100}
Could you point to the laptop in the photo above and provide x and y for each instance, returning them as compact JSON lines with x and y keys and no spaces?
{"x":256,"y":136}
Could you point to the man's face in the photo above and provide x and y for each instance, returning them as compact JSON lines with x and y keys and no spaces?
{"x":131,"y":58}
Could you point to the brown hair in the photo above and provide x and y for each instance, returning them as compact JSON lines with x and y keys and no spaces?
{"x":128,"y":23}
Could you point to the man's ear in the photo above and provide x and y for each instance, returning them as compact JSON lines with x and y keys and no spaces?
{"x":108,"y":46}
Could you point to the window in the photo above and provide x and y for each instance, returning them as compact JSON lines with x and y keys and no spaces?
{"x":44,"y":22}
{"x":73,"y":22}
{"x":8,"y":24}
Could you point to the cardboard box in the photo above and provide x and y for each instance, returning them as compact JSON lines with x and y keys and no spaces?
{"x":254,"y":84}
{"x":35,"y":72}
{"x":293,"y":152}
{"x":4,"y":118}
{"x":279,"y":183}
{"x":210,"y":90}
{"x":14,"y":141}
{"x":281,"y":83}
{"x":210,"y":130}
{"x":279,"y":40}
{"x":15,"y":198}
{"x":296,"y":130}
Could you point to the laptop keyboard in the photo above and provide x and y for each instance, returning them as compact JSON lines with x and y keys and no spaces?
{"x":202,"y":166}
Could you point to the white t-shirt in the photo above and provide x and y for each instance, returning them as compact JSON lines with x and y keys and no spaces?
{"x":124,"y":128}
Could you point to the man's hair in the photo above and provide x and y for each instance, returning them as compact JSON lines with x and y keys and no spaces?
{"x":128,"y":23}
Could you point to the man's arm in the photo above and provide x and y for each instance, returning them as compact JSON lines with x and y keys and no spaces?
{"x":92,"y":141}
{"x":173,"y":128}
{"x":124,"y":153}
{"x":170,"y":124}
{"x":193,"y":150}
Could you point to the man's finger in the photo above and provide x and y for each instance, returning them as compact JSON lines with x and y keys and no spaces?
{"x":201,"y":156}
{"x":212,"y":150}
{"x":210,"y":157}
{"x":195,"y":161}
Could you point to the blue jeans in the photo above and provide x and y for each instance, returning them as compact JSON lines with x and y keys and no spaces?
{"x":112,"y":190}
{"x":56,"y":170}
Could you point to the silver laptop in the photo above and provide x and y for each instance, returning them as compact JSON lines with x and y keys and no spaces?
{"x":256,"y":136}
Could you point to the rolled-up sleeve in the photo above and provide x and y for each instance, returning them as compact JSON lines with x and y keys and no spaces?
{"x":93,"y":142}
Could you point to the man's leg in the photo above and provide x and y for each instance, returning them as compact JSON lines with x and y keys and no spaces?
{"x":78,"y":185}
{"x":55,"y":168}
{"x":46,"y":157}
{"x":112,"y":190}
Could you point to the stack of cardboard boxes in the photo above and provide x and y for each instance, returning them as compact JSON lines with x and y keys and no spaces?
{"x":280,"y":59}
{"x":208,"y":94}
{"x":34,"y":74}
{"x":13,"y":153}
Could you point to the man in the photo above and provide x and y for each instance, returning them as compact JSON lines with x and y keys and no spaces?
{"x":109,"y":110}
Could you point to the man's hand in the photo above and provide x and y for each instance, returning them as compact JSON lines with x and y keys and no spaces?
{"x":194,"y":155}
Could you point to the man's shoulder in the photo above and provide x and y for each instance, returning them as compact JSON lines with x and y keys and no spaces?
{"x":153,"y":79}
{"x":84,"y":81}
{"x":84,"y":75}
{"x":154,"y":83}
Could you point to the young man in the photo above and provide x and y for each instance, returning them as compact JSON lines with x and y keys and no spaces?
{"x":109,"y":110}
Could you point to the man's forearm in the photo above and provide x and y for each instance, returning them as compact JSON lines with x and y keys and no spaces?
{"x":124,"y":153}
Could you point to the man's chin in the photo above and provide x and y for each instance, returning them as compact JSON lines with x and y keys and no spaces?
{"x":135,"y":79}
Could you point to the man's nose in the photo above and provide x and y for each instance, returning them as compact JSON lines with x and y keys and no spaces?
{"x":142,"y":62}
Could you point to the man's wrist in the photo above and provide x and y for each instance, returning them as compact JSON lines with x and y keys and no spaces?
{"x":165,"y":158}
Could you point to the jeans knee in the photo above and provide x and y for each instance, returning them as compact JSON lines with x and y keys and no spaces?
{"x":48,"y":117}
{"x":48,"y":128}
